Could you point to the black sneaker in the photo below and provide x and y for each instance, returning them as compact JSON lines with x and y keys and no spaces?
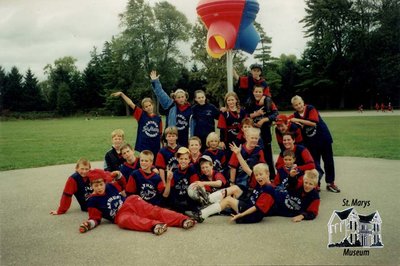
{"x":197,"y":217}
{"x":332,"y":188}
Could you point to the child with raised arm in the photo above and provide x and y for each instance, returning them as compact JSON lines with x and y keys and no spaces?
{"x":132,"y":213}
{"x":247,"y":83}
{"x":204,"y":116}
{"x":146,"y":183}
{"x":77,"y":185}
{"x":181,"y":178}
{"x":113,"y":158}
{"x":217,"y":155}
{"x":178,"y":107}
{"x":149,"y":128}
{"x":252,"y":154}
{"x":166,"y":156}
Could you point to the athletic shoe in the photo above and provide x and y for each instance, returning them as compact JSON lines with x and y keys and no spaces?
{"x":160,"y":229}
{"x":197,"y":217}
{"x":188,"y":223}
{"x":332,"y":188}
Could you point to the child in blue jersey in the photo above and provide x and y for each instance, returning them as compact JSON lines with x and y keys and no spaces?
{"x":131,"y":161}
{"x":317,"y":139}
{"x":179,"y":110}
{"x":217,"y":155}
{"x":77,"y":185}
{"x":263,"y":117}
{"x":300,"y":203}
{"x":166,"y":156}
{"x":204,"y":116}
{"x":247,"y":83}
{"x":288,"y":171}
{"x":250,"y":210}
{"x":132,"y":213}
{"x":149,"y":128}
{"x":146,"y":183}
{"x":251,"y":153}
{"x":113,"y":158}
{"x":229,"y":121}
{"x":181,"y":178}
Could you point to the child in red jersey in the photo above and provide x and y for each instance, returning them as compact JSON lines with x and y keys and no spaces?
{"x":283,"y":125}
{"x":166,"y":156}
{"x":132,"y":213}
{"x":77,"y":185}
{"x":149,"y":128}
{"x":113,"y":158}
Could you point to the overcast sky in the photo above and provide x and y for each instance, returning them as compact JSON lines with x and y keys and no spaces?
{"x":34,"y":33}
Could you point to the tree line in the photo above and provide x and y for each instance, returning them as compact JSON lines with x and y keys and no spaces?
{"x":352,"y":58}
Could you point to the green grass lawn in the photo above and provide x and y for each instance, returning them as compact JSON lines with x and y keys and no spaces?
{"x":34,"y":143}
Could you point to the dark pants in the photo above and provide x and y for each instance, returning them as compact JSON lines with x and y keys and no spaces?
{"x":326,"y":153}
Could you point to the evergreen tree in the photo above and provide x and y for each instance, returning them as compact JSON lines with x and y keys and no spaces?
{"x":32,"y":96}
{"x":13,"y":90}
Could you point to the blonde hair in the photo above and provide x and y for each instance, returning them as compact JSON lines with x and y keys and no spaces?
{"x":147,"y":99}
{"x":82,"y":161}
{"x":261,"y":167}
{"x":147,"y":153}
{"x":311,"y":175}
{"x":118,"y":132}
{"x":179,"y":91}
{"x":296,"y":98}
{"x":232,"y":94}
{"x":252,"y":130}
{"x":181,"y":151}
{"x":211,"y":137}
{"x":171,"y":130}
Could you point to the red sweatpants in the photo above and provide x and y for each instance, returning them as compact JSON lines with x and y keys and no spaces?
{"x":139,"y":215}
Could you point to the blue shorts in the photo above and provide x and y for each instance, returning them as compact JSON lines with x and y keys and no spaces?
{"x":254,"y":217}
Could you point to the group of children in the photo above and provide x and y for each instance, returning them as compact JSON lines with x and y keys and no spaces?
{"x":198,"y":172}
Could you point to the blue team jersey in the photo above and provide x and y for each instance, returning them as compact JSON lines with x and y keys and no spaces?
{"x":149,"y":131}
{"x":108,"y":203}
{"x":218,"y":157}
{"x":84,"y":190}
{"x":182,"y":124}
{"x":204,"y":116}
{"x":147,"y":186}
{"x":181,"y":181}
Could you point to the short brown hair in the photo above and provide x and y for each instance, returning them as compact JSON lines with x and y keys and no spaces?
{"x":147,"y":153}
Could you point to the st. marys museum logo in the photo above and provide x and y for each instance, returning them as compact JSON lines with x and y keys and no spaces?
{"x":349,"y":229}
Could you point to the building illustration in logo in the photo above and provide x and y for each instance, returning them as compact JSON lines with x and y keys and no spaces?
{"x":347,"y":228}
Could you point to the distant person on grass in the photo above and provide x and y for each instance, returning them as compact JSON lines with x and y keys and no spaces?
{"x":149,"y":130}
{"x":132,"y":213}
{"x":113,"y":158}
{"x":317,"y":138}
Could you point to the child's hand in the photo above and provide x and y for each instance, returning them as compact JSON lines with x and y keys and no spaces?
{"x":153,"y":75}
{"x":170,"y":175}
{"x":54,"y":212}
{"x":221,"y":145}
{"x":116,"y":94}
{"x":262,"y":100}
{"x":223,"y":109}
{"x":116,"y":175}
{"x":235,"y":149}
{"x":298,"y":218}
{"x":84,"y":227}
{"x":235,"y":217}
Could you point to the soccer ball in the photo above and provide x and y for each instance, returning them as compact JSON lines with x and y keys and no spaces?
{"x":198,"y":193}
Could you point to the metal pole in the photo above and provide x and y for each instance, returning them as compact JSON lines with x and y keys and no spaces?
{"x":229,"y":70}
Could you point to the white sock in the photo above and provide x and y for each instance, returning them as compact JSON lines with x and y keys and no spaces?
{"x":210,"y":210}
{"x":216,"y":196}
